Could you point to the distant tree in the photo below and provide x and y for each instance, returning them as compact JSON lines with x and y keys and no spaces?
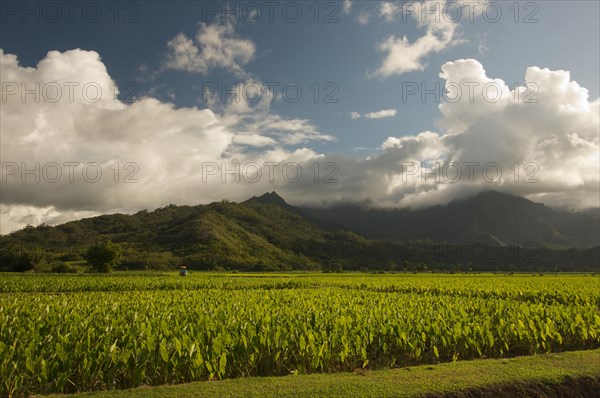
{"x":391,"y":265}
{"x":104,"y":256}
{"x":336,"y":266}
{"x":405,"y":265}
{"x":332,"y":265}
{"x":458,"y":267}
{"x":470,"y":266}
{"x":42,"y":265}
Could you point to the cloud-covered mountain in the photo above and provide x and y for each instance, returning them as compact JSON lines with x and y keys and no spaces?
{"x":489,"y":217}
{"x":265,"y":233}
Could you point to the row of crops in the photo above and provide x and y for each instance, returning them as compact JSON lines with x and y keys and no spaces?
{"x":550,"y":287}
{"x":142,"y":330}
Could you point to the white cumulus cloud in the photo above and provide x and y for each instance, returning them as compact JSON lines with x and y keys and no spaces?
{"x":382,"y":114}
{"x":215,"y":46}
{"x":347,"y":6}
{"x":442,"y":32}
{"x":151,"y":153}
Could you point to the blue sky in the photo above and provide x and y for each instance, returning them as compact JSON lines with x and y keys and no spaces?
{"x":347,"y":58}
{"x":306,"y":52}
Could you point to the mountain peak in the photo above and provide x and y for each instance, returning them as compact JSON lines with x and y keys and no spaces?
{"x":492,"y":197}
{"x":491,"y":193}
{"x":269,"y":197}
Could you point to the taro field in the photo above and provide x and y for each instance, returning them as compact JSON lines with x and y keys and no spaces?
{"x":73,"y":333}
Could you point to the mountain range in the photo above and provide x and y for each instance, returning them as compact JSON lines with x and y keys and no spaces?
{"x":489,"y":231}
{"x":489,"y":217}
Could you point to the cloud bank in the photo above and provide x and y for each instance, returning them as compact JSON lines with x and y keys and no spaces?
{"x":151,"y":153}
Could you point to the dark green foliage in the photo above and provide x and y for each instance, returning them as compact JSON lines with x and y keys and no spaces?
{"x":61,"y":267}
{"x":134,"y":259}
{"x":332,"y":266}
{"x":104,"y":256}
{"x":21,"y":257}
{"x":15,"y":259}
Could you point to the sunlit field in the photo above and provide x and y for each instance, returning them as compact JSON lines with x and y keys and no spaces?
{"x":70,"y":333}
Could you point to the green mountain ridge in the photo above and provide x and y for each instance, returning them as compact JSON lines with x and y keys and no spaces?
{"x":265,"y":233}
